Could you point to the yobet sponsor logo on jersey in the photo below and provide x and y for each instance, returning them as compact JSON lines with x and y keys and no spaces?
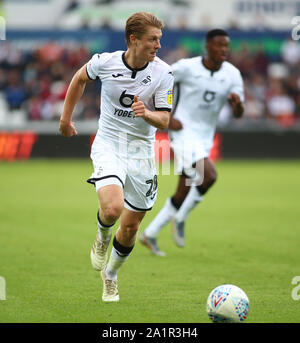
{"x":123,"y":113}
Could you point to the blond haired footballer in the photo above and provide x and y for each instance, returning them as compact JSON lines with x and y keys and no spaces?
{"x":135,"y":101}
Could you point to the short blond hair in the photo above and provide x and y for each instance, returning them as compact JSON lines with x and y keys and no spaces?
{"x":138,"y":22}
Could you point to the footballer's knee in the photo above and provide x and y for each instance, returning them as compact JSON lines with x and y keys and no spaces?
{"x":210,"y":174}
{"x":211,"y":178}
{"x":112,"y":212}
{"x":181,"y":192}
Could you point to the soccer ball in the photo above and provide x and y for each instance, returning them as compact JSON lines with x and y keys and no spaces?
{"x":227,"y":304}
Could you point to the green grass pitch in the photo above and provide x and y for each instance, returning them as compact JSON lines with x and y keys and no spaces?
{"x":246,"y":232}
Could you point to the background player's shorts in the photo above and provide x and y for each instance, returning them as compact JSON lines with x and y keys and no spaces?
{"x":137,"y":177}
{"x":188,"y":149}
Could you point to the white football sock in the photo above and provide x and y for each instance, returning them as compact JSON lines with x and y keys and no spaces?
{"x":104,"y":231}
{"x":191,"y":201}
{"x":116,"y":259}
{"x":162,"y":219}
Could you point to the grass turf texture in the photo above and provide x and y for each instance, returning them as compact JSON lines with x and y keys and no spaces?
{"x":246,"y":232}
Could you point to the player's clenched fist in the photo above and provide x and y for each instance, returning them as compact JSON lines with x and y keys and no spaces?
{"x":138,"y":108}
{"x":234,"y":99}
{"x":67,"y":129}
{"x":237,"y":106}
{"x":175,"y":124}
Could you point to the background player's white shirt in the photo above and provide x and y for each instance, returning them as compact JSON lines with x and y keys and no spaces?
{"x":201,"y":94}
{"x":152,"y":84}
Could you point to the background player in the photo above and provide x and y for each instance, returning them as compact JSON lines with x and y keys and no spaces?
{"x":134,"y":102}
{"x":203,"y":85}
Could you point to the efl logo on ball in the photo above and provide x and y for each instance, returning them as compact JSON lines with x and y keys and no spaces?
{"x":227,"y":304}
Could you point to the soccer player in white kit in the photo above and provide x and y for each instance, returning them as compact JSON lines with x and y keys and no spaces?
{"x":136,"y":99}
{"x":204,"y":85}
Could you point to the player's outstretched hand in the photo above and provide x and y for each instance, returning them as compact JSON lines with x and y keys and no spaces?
{"x":175,"y":124}
{"x":67,"y":129}
{"x":138,"y":107}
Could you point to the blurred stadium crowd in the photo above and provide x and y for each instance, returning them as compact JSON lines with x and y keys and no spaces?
{"x":36,"y":81}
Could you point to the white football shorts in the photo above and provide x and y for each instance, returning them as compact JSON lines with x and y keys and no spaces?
{"x":136,"y":176}
{"x":189,"y":149}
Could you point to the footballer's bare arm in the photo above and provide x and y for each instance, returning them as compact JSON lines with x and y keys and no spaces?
{"x":159,"y":119}
{"x":74,"y":93}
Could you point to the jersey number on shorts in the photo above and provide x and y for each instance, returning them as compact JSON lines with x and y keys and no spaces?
{"x":153,"y":186}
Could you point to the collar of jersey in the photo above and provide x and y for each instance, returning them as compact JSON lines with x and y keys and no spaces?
{"x":211,"y":70}
{"x":133,"y":69}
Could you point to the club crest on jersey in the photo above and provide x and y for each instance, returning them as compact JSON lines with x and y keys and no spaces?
{"x":126,"y":100}
{"x":146,"y":81}
{"x":209,"y":96}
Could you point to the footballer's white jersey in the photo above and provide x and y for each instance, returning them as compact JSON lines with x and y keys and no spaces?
{"x":201,"y":94}
{"x":152,"y":84}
